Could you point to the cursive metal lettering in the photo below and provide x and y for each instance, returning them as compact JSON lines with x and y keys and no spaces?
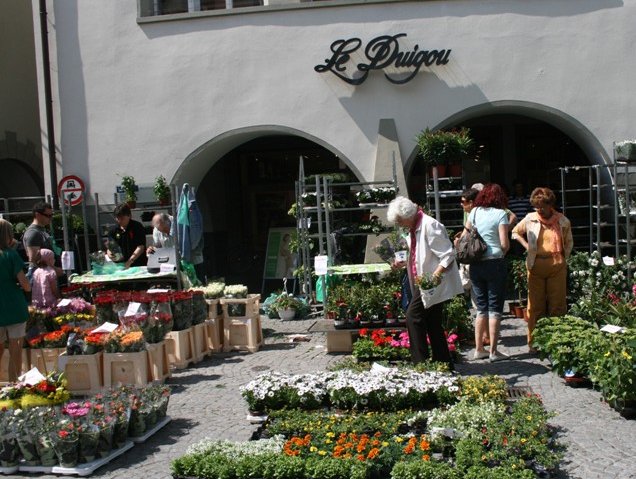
{"x":382,"y":53}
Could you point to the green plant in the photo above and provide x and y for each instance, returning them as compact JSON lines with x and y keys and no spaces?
{"x":519,"y":275}
{"x":424,"y":470}
{"x":286,"y":301}
{"x":614,"y":369}
{"x":487,"y":388}
{"x":440,"y":147}
{"x":130,"y":188}
{"x":161,"y":189}
{"x":457,"y":317}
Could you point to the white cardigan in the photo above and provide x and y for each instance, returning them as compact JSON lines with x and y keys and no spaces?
{"x":432,"y":249}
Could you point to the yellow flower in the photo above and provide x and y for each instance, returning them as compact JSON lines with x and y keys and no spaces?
{"x":322,"y":453}
{"x":328,"y":441}
{"x":385,"y":444}
{"x":331,"y":434}
{"x":529,"y":418}
{"x":626,"y":356}
{"x":523,"y":440}
{"x":399,"y":439}
{"x":313,"y":449}
{"x":607,"y":354}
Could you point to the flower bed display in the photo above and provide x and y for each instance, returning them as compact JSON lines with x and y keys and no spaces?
{"x":388,"y":389}
{"x":479,"y":437}
{"x":381,"y":344}
{"x":573,"y":344}
{"x":49,"y":391}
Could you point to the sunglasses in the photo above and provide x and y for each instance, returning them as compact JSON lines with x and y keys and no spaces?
{"x":47,"y":215}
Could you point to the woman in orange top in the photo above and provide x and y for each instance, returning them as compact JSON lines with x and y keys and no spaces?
{"x":546,"y":235}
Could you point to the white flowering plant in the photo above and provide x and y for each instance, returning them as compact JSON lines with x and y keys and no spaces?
{"x":212,"y":290}
{"x":465,"y":417}
{"x":391,"y":389}
{"x":238,"y":449}
{"x":235,"y":291}
{"x":376,"y":195}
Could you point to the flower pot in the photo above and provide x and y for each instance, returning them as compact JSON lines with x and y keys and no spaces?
{"x":164,"y":201}
{"x":626,"y":408}
{"x":518,"y":311}
{"x":525,"y":315}
{"x":131,"y":204}
{"x":286,"y":314}
{"x":454,"y":169}
{"x":441,"y":171}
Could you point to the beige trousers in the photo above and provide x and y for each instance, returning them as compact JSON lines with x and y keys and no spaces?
{"x":547,"y":280}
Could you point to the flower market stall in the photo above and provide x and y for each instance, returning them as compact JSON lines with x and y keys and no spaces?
{"x":382,"y":422}
{"x":42,"y":431}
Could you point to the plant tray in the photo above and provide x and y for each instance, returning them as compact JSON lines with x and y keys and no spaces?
{"x":9,"y":470}
{"x":256,"y":419}
{"x":159,"y":425}
{"x":89,"y":467}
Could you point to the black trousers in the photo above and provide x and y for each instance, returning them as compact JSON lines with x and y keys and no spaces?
{"x":422,"y":322}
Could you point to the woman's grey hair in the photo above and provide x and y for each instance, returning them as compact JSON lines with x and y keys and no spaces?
{"x":401,"y":207}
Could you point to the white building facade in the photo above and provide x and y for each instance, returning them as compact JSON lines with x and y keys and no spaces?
{"x":173,"y":87}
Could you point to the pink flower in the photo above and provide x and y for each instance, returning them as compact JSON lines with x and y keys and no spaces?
{"x":452,"y":338}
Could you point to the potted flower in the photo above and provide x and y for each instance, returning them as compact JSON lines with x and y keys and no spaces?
{"x":286,"y":306}
{"x":161,"y":190}
{"x":441,"y":148}
{"x":130,"y":190}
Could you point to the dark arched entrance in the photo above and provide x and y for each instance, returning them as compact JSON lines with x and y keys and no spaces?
{"x":249,"y":190}
{"x":527,"y":142}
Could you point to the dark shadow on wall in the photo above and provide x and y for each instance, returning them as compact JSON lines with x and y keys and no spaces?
{"x":72,"y":90}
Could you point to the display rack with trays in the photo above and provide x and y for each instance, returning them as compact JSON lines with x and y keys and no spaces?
{"x":322,"y":215}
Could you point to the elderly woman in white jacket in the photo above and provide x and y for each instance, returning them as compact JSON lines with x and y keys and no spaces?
{"x":431,"y":252}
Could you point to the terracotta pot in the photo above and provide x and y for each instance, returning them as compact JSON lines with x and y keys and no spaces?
{"x":519,"y":311}
{"x":455,"y":169}
{"x":164,"y":202}
{"x":441,"y":171}
{"x":131,"y":204}
{"x":525,"y":314}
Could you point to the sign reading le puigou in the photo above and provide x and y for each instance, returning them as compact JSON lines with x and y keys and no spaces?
{"x":381,"y":53}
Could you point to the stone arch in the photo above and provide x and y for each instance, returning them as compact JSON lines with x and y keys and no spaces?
{"x":196,"y":164}
{"x":557,"y":118}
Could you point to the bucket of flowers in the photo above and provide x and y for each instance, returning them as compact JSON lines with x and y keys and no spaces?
{"x":428,"y":287}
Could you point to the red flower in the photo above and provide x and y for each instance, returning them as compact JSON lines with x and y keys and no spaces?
{"x":63,"y":434}
{"x":364,"y":332}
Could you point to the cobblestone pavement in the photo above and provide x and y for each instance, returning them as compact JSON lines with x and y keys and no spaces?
{"x":206,"y":403}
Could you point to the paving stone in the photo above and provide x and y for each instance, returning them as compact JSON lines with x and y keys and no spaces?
{"x":207,"y":403}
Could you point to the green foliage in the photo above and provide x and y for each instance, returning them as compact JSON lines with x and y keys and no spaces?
{"x":161,"y":189}
{"x":75,"y":223}
{"x":513,"y":471}
{"x":423,"y":470}
{"x":519,"y":274}
{"x":440,"y":147}
{"x":457,"y":317}
{"x":129,"y":186}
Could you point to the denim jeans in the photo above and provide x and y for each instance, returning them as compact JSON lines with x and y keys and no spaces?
{"x":489,"y":286}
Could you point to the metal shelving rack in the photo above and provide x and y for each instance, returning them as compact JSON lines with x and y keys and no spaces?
{"x":324,"y":213}
{"x":591,"y":227}
{"x":624,"y":216}
{"x":437,"y":200}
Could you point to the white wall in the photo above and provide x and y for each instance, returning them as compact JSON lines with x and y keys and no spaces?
{"x":138,"y":98}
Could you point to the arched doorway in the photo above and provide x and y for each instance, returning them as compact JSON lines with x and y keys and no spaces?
{"x":246,"y":187}
{"x":526,"y":142}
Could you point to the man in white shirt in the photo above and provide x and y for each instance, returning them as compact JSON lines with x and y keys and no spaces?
{"x":162,"y":232}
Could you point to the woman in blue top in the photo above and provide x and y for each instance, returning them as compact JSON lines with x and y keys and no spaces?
{"x":488,"y":276}
{"x":13,"y":305}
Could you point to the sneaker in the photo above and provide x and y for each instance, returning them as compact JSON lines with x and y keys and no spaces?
{"x":480,"y":355}
{"x":498,"y":356}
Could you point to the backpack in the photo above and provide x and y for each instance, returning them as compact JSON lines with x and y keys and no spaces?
{"x":471,"y":247}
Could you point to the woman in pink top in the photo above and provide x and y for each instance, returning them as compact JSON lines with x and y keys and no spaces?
{"x":44,"y":291}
